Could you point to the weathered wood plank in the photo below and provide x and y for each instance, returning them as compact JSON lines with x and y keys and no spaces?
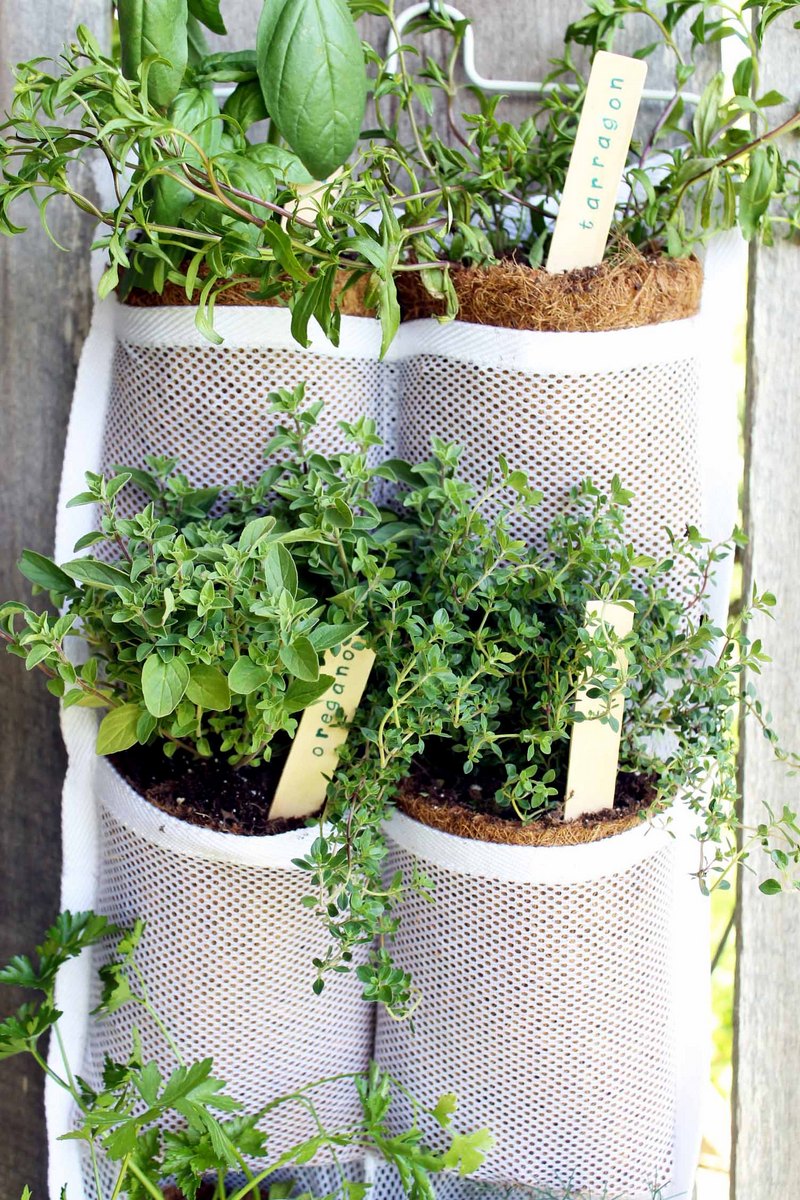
{"x":767,"y":1054}
{"x":44,"y":298}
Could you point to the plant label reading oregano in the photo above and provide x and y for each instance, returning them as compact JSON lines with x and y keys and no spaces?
{"x":597,"y":162}
{"x":323,"y":729}
{"x":594,"y":746}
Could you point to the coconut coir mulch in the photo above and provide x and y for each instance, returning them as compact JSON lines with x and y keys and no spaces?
{"x":244,"y":292}
{"x":634,"y":290}
{"x":437,"y":803}
{"x":206,"y":792}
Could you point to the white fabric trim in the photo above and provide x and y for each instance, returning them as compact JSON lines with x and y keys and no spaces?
{"x":243,"y":327}
{"x":527,"y":864}
{"x":576,"y":354}
{"x":169,"y":833}
{"x":513,"y":349}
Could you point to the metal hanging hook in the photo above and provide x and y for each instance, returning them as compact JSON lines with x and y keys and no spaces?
{"x":505,"y":86}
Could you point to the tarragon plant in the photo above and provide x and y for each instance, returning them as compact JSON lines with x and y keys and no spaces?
{"x":201,"y":195}
{"x":152,"y":1126}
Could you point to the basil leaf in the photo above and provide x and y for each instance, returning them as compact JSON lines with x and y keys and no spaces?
{"x":155,"y":27}
{"x":312,"y":72}
{"x":207,"y":13}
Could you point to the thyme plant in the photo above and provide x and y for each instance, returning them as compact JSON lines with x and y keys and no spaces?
{"x":210,"y":1138}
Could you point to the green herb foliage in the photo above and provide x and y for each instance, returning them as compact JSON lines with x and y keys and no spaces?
{"x":481,"y":640}
{"x":696,"y":170}
{"x":197,"y":201}
{"x":199,"y":634}
{"x":210,"y":1136}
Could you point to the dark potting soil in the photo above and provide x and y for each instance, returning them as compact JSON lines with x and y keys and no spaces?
{"x":206,"y":1191}
{"x":207,"y":791}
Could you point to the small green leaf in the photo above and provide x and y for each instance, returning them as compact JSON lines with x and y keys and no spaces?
{"x":301,"y":659}
{"x":325,"y":637}
{"x":44,"y":572}
{"x":208,"y":687}
{"x":300,"y":694}
{"x":445,"y":1107}
{"x":163,"y":684}
{"x":254,"y":532}
{"x":245,"y":676}
{"x":770,"y":887}
{"x":118,"y":729}
{"x":97,"y":574}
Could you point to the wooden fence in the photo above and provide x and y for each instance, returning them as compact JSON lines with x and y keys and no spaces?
{"x":46,"y":302}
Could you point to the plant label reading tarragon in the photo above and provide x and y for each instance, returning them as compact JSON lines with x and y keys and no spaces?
{"x":598,"y":160}
{"x":323,"y":729}
{"x":594,"y":746}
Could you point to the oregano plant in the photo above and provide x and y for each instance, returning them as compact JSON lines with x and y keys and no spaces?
{"x":197,"y":633}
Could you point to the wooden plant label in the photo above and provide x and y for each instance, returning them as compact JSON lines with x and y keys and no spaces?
{"x":323,"y":729}
{"x":598,"y":160}
{"x":594,"y":746}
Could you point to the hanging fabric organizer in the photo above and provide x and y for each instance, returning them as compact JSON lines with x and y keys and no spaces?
{"x":561,"y":406}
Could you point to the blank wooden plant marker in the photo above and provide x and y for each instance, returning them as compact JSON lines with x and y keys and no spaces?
{"x":598,"y":160}
{"x":323,"y":729}
{"x":594,"y":746}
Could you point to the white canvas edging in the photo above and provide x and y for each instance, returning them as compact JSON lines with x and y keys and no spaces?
{"x":242,"y":327}
{"x":512,"y":349}
{"x":527,"y":864}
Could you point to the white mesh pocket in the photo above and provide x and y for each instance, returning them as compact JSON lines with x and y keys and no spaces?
{"x":226,"y":956}
{"x":548,"y":1007}
{"x":173,"y":393}
{"x":564,"y":407}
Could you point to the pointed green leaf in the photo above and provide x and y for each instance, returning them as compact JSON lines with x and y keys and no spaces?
{"x":300,"y":694}
{"x":207,"y":13}
{"x":279,"y":569}
{"x":97,"y":574}
{"x":245,"y":677}
{"x":44,"y":572}
{"x":155,"y":27}
{"x":312,"y":72}
{"x":208,"y":687}
{"x":301,"y":659}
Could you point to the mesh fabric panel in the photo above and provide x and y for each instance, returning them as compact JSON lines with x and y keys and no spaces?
{"x":640,"y":422}
{"x":548,"y":1010}
{"x":226,"y":957}
{"x":208,"y":406}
